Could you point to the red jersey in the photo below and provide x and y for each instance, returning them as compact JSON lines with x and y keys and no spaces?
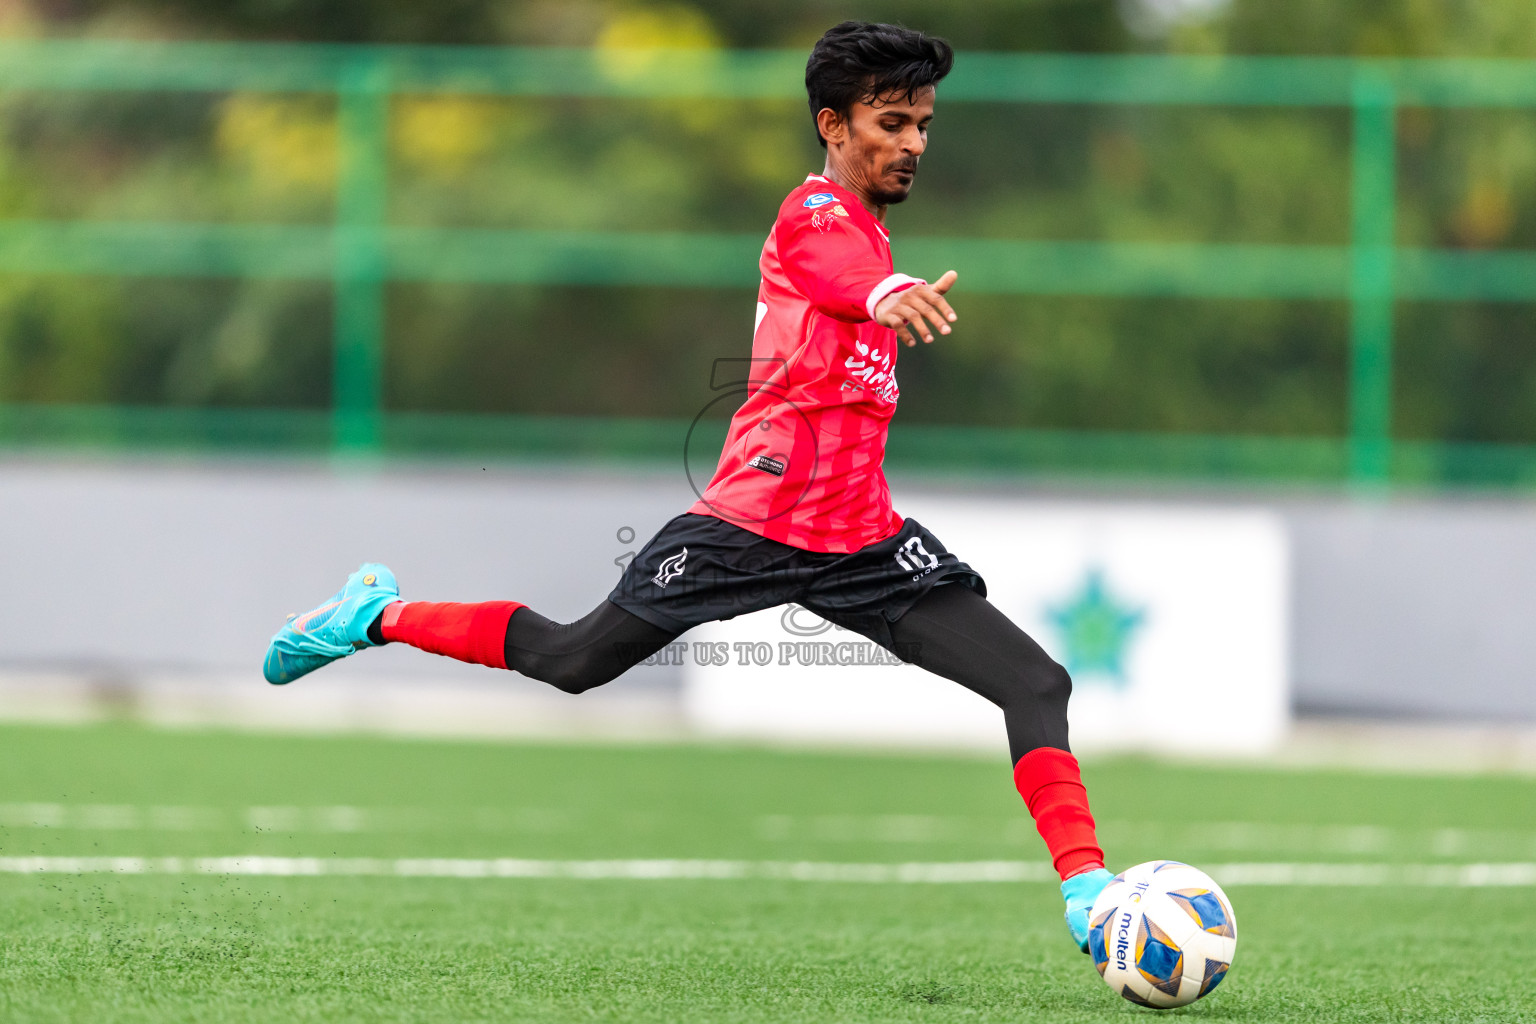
{"x":802,"y":463}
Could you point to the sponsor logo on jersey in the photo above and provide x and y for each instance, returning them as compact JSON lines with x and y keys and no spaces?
{"x":913,"y":557}
{"x":873,"y":371}
{"x":767,"y":465}
{"x":820,"y":199}
{"x":821,"y":220}
{"x":671,"y":569}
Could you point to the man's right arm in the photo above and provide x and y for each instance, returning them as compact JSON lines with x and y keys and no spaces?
{"x":834,"y":264}
{"x":838,"y":268}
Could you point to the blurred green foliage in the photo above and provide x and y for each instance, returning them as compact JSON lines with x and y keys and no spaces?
{"x":1467,"y":179}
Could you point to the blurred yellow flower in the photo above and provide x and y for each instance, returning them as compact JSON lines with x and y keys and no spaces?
{"x":1487,"y":214}
{"x":284,"y":141}
{"x":443,"y":134}
{"x":666,"y":27}
{"x":638,"y":40}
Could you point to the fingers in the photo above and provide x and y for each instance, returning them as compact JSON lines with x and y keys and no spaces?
{"x":921,"y":320}
{"x":932,"y":320}
{"x":929,"y":313}
{"x":944,"y":309}
{"x":938,"y":301}
{"x":911,"y":336}
{"x":922,"y":325}
{"x":941,"y":286}
{"x":921,"y":310}
{"x":908,"y":325}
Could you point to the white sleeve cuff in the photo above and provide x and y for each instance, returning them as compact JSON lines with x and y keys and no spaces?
{"x":894,"y":283}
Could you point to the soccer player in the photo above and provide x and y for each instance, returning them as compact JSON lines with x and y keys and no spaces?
{"x":798,"y":509}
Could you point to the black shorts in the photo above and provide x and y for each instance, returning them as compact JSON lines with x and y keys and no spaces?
{"x":700,"y":569}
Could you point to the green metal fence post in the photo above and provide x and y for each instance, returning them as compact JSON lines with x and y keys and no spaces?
{"x":1372,"y":237}
{"x":362,"y":153}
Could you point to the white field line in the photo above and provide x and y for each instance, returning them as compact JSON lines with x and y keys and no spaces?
{"x":1260,"y":839}
{"x":450,"y":867}
{"x":1519,"y":874}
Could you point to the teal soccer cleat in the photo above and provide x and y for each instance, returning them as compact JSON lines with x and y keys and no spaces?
{"x":1080,"y":891}
{"x":333,"y":630}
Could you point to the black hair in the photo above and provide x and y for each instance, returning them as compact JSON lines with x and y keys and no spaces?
{"x":860,"y":61}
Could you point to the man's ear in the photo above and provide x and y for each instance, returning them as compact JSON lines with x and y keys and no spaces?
{"x":832,"y":125}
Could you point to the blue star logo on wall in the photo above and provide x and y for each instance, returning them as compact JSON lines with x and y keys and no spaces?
{"x":1096,"y":630}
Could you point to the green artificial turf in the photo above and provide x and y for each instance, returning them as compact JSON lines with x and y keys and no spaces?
{"x":206,"y":948}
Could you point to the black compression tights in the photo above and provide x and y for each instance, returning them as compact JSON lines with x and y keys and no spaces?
{"x":576,"y":656}
{"x":952,"y":632}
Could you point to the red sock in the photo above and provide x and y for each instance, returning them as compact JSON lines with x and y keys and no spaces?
{"x":469,"y":632}
{"x":1051,"y":785}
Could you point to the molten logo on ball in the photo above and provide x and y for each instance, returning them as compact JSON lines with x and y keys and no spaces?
{"x":1162,"y":934}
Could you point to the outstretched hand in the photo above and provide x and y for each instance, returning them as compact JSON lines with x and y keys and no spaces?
{"x":921,"y":309}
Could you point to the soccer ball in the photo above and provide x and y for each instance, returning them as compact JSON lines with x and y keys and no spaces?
{"x":1162,"y":934}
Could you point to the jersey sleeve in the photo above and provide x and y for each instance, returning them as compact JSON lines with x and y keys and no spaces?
{"x":834,"y":264}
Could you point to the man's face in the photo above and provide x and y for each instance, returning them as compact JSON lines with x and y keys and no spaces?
{"x":883,"y":140}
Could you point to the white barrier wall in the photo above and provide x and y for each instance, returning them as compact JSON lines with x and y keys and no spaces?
{"x":1406,"y":606}
{"x":1173,"y":623}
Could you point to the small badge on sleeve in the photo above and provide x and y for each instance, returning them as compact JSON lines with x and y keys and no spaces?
{"x":767,"y":465}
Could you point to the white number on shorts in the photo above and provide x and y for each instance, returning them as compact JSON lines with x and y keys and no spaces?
{"x":913,"y":557}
